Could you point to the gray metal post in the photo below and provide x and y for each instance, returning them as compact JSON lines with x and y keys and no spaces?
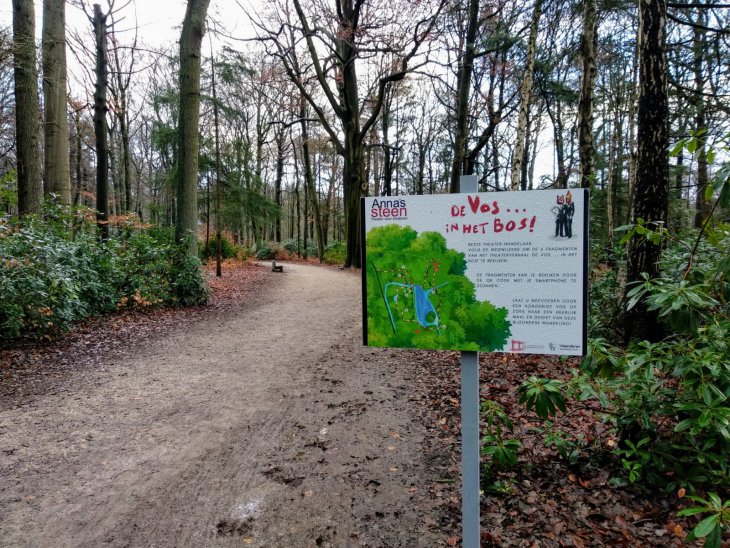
{"x":470,"y":429}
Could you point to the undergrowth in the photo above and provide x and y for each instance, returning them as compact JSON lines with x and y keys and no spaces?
{"x":56,"y":271}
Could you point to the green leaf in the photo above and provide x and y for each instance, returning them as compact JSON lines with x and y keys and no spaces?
{"x":714,"y":539}
{"x":692,"y":511}
{"x":706,"y":526}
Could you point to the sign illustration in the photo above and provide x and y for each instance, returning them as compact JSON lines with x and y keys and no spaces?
{"x":502,"y":272}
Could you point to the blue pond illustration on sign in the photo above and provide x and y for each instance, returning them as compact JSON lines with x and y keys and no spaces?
{"x":426,"y":313}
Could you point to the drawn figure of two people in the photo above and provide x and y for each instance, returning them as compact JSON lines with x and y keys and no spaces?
{"x":564,"y":212}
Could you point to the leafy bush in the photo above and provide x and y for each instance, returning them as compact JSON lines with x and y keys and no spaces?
{"x":188,"y":286}
{"x":497,"y":446}
{"x":335,"y":253}
{"x":228,"y":249}
{"x":56,"y":272}
{"x":712,"y":526}
{"x":266,"y":251}
{"x":291,"y":245}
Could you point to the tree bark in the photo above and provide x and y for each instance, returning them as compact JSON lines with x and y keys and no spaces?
{"x":463,"y":93}
{"x":309,"y":179}
{"x":703,"y":206}
{"x":279,"y":139}
{"x":525,"y":94}
{"x":26,"y":108}
{"x":651,"y":193}
{"x":57,"y":165}
{"x":191,"y":38}
{"x":218,"y":237}
{"x":586,"y":147}
{"x":100,"y":125}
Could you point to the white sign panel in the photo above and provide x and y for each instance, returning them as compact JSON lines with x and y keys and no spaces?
{"x":500,"y":271}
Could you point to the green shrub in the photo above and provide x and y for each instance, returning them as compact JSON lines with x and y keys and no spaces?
{"x":228,"y":249}
{"x":291,"y":245}
{"x":335,"y":253}
{"x":55,"y":272}
{"x":312,"y":249}
{"x":266,"y":251}
{"x":188,"y":286}
{"x":674,"y":393}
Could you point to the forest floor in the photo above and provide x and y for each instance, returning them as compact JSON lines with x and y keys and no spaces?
{"x":261,"y":420}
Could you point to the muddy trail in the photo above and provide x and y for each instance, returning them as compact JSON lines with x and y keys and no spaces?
{"x":263,"y":424}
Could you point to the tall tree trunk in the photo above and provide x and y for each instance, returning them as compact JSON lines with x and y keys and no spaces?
{"x":387,"y":153}
{"x":703,"y":206}
{"x":278,"y":180}
{"x":463,"y":93}
{"x":586,"y":147}
{"x":116,"y":205}
{"x":57,"y":168}
{"x":218,"y":237}
{"x":187,"y":176}
{"x":122,"y":115}
{"x":100,"y":125}
{"x":309,"y":179}
{"x":525,"y":95}
{"x":632,"y":135}
{"x":78,"y":166}
{"x":26,"y":108}
{"x":298,"y":201}
{"x":651,"y":194}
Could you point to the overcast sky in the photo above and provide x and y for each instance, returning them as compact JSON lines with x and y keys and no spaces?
{"x":159,"y":21}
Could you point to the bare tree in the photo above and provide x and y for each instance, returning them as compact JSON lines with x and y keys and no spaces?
{"x":333,"y":52}
{"x":525,"y":98}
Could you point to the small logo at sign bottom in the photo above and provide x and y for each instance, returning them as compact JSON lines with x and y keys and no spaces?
{"x":517,"y":346}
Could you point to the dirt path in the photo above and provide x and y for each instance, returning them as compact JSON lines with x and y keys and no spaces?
{"x":268,"y":427}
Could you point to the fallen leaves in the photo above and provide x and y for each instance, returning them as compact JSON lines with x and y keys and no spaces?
{"x":546,"y":503}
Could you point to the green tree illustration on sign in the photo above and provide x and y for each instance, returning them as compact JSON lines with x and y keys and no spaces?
{"x":419,"y":297}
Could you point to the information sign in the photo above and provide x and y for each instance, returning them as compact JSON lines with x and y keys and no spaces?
{"x":494,"y":272}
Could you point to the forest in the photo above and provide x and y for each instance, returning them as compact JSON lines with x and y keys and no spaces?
{"x":125,"y":165}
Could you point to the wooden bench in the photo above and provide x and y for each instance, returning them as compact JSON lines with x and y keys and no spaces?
{"x":276,"y":267}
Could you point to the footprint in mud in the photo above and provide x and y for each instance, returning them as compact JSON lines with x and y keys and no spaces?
{"x":233,"y":527}
{"x":277,"y":474}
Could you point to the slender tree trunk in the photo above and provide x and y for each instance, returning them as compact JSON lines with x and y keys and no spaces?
{"x":652,"y":166}
{"x":100,"y":125}
{"x":187,"y":177}
{"x":57,"y":168}
{"x":586,"y":147}
{"x":525,"y":95}
{"x":463,"y":93}
{"x":387,"y":161}
{"x":218,"y":238}
{"x":122,"y":115}
{"x":702,"y":205}
{"x":298,"y":201}
{"x":632,"y":136}
{"x":26,"y":108}
{"x":78,"y":167}
{"x":279,"y":138}
{"x":114,"y":206}
{"x":309,"y":179}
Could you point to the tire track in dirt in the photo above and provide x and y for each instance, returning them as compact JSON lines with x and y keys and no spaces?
{"x":273,"y":427}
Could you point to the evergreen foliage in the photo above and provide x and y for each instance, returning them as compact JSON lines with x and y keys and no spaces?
{"x":56,"y":272}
